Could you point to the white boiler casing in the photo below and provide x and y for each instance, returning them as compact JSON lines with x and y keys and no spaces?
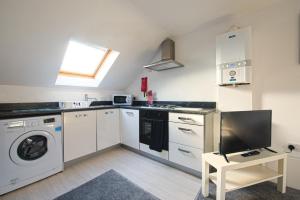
{"x":233,"y":57}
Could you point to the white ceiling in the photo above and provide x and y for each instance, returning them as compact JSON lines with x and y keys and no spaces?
{"x":179,"y":17}
{"x":34,"y":34}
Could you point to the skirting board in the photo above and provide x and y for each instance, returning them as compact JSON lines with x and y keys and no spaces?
{"x":71,"y":162}
{"x":163,"y":161}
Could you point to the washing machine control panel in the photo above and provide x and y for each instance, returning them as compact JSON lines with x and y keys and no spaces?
{"x":15,"y":124}
{"x":49,"y":120}
{"x":32,"y":123}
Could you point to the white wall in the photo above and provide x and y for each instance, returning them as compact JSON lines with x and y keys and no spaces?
{"x":196,"y":81}
{"x":15,"y":94}
{"x":276,"y":77}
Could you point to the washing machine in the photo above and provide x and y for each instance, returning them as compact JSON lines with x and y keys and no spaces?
{"x":30,"y":150}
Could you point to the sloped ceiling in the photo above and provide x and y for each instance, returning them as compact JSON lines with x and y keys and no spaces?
{"x":179,"y":17}
{"x":34,"y":34}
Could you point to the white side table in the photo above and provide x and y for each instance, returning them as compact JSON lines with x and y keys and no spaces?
{"x":242,"y":171}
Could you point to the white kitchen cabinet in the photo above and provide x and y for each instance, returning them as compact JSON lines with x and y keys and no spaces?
{"x":190,"y":135}
{"x":129,"y":127}
{"x":79,"y":134}
{"x":107,"y":128}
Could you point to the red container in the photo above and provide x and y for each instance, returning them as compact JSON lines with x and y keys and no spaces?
{"x":150,"y":97}
{"x":144,"y":85}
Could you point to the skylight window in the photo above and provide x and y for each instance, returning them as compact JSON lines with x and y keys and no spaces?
{"x":85,"y":65}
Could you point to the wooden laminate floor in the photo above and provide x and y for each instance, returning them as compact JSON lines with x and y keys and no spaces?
{"x":161,"y":180}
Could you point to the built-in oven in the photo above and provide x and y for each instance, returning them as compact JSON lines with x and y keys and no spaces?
{"x":154,"y":129}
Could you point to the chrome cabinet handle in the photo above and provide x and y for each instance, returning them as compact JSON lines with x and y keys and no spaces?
{"x":106,"y":113}
{"x":183,"y":150}
{"x":185,"y":129}
{"x":185,"y":119}
{"x":81,"y":115}
{"x":130,"y":113}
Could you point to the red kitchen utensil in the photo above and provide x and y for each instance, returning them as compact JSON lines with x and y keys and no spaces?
{"x":144,"y":85}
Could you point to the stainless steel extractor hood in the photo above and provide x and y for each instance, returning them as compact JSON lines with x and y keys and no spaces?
{"x":167,"y":58}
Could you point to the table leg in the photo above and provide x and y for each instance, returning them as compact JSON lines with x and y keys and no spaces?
{"x":220,"y":185}
{"x":281,"y":182}
{"x":205,"y":178}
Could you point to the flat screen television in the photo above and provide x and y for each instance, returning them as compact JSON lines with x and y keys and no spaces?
{"x":245,"y":130}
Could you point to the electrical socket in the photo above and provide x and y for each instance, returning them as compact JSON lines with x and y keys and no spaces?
{"x":297,"y":146}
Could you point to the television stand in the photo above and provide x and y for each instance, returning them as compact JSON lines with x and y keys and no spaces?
{"x":242,"y":171}
{"x":251,"y":153}
{"x":266,"y":148}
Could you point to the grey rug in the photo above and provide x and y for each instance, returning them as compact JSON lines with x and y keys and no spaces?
{"x":109,"y":186}
{"x":262,"y":191}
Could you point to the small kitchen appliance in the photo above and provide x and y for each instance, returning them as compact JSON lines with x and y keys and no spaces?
{"x":122,"y":99}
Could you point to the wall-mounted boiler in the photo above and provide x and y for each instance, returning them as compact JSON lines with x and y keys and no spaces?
{"x":233,"y":57}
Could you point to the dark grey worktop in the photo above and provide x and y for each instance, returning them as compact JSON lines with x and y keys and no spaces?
{"x":10,"y":111}
{"x":44,"y":111}
{"x":202,"y":111}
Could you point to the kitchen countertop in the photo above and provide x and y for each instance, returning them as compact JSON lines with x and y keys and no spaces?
{"x":54,"y":111}
{"x":202,"y":111}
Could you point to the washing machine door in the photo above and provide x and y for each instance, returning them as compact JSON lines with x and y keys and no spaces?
{"x":32,"y":147}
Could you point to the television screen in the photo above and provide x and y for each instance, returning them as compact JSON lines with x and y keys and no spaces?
{"x":245,"y":130}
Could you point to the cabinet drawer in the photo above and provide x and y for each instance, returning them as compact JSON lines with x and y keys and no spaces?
{"x":186,"y":118}
{"x":186,"y":156}
{"x":186,"y":134}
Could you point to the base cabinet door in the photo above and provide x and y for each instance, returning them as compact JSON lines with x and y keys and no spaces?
{"x":107,"y":128}
{"x":129,"y":127}
{"x":79,"y":134}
